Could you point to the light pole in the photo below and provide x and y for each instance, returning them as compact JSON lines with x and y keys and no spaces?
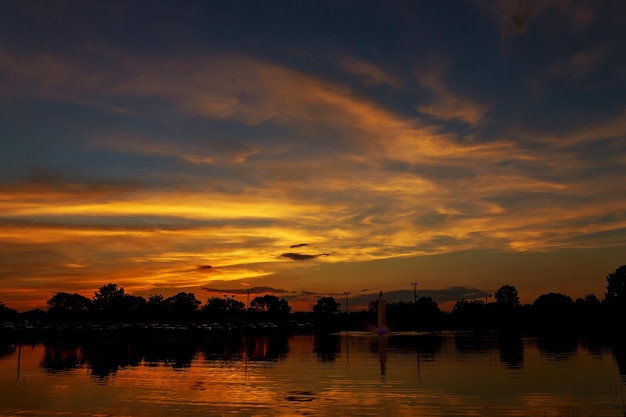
{"x":346,"y":293}
{"x":414,"y":284}
{"x":248,"y":300}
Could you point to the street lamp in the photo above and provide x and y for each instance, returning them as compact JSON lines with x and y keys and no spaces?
{"x":414,"y":284}
{"x":346,"y":293}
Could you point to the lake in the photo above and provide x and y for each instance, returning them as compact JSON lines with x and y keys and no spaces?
{"x":347,"y":374}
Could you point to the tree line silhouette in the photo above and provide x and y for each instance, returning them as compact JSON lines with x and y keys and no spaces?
{"x":551,"y":312}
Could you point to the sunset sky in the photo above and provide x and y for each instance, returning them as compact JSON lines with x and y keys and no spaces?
{"x":311,"y":148}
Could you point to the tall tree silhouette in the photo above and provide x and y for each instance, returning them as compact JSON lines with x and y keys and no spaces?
{"x":327,"y":306}
{"x":272,"y":307}
{"x":615,"y":296}
{"x":553,"y":312}
{"x":156,"y":308}
{"x":507,"y":296}
{"x":108,"y":301}
{"x":132,"y":307}
{"x":616,"y":286}
{"x":589,"y":311}
{"x":182,"y":306}
{"x":506,"y":310}
{"x":427,"y":314}
{"x":469,"y":314}
{"x":217,"y":308}
{"x":66,"y":306}
{"x":326,"y":312}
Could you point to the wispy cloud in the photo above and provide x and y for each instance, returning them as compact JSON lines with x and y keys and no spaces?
{"x":447,"y":104}
{"x":370,"y":73}
{"x":42,"y":184}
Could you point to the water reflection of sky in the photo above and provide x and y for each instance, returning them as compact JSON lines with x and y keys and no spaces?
{"x":330,"y":375}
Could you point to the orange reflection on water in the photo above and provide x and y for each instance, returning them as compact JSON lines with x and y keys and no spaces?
{"x":341,"y":375}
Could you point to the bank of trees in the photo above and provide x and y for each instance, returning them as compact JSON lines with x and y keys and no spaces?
{"x":112,"y":303}
{"x":550,"y":312}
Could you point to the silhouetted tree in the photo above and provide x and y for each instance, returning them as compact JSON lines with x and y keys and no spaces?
{"x":553,"y":301}
{"x":507,"y":296}
{"x":156,"y":309}
{"x":506,"y":311}
{"x":326,"y":312}
{"x":217,"y":308}
{"x":589,"y":312}
{"x":6,"y":313}
{"x":427,"y":315}
{"x":108,"y":297}
{"x":155,"y":299}
{"x":553,"y":312}
{"x":400,"y":315}
{"x":34,"y":317}
{"x":327,"y":306}
{"x":616,"y":286}
{"x":614,"y":304}
{"x":589,"y":299}
{"x":66,"y":306}
{"x":469,"y":314}
{"x":132,"y":307}
{"x":182,"y":305}
{"x":273,"y":307}
{"x":111,"y":303}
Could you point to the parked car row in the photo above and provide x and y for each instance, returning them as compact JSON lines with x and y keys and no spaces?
{"x":150,"y":328}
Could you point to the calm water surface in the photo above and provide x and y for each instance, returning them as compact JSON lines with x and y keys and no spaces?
{"x":339,"y":375}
